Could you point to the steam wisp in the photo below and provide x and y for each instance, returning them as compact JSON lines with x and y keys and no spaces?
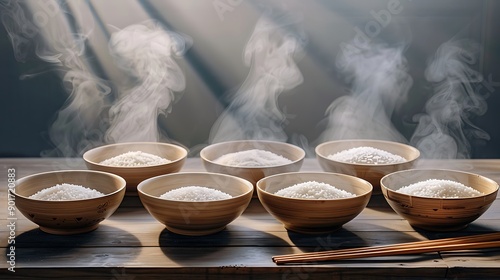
{"x":444,"y":130}
{"x":147,"y":53}
{"x":379,"y":83}
{"x":253,"y":113}
{"x":90,"y":117}
{"x":78,"y":125}
{"x":21,"y":31}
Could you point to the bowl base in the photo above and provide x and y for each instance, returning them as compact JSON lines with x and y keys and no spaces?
{"x":68,"y":231}
{"x":321,"y":230}
{"x":198,"y":232}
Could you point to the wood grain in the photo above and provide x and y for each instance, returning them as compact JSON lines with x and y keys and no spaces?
{"x":133,"y":245}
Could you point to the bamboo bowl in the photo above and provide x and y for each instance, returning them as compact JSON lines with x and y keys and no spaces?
{"x":69,"y":216}
{"x":253,"y":174}
{"x":134,"y":175}
{"x":192,"y":217}
{"x":370,"y":172}
{"x":312,"y":216}
{"x":438,"y":214}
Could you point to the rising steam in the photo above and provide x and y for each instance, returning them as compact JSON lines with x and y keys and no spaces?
{"x":78,"y":125}
{"x":444,"y":129}
{"x":89,"y":118}
{"x":380,"y":83}
{"x":253,"y":112}
{"x":146,"y":51}
{"x":20,"y":30}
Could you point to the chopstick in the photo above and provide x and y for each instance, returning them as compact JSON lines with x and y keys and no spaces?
{"x":480,"y":241}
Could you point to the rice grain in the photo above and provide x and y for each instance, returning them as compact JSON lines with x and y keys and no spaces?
{"x":437,"y":188}
{"x":134,"y":159}
{"x":252,"y":158}
{"x":195,"y":193}
{"x":314,"y":190}
{"x":65,"y":191}
{"x":366,"y":155}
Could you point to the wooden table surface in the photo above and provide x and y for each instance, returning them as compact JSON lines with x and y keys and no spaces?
{"x":133,"y":245}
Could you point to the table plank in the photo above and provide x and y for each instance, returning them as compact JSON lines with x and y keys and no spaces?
{"x":132,"y":244}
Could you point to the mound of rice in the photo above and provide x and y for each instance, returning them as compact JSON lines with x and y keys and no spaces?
{"x":195,"y":193}
{"x":252,"y":158}
{"x":65,"y":191}
{"x":436,"y":188}
{"x":366,"y":155}
{"x":134,"y":159}
{"x":314,"y":190}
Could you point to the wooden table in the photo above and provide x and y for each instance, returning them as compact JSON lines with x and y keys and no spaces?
{"x":133,"y":245}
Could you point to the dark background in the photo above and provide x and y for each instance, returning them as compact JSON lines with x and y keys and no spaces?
{"x":213,"y":66}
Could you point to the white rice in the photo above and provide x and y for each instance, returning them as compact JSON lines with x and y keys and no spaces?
{"x":65,"y":191}
{"x":252,"y":158}
{"x":314,"y":190}
{"x":195,"y":193}
{"x":133,"y":159}
{"x":366,"y":155}
{"x":436,"y":188}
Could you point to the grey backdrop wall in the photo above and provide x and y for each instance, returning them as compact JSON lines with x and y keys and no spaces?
{"x":217,"y":33}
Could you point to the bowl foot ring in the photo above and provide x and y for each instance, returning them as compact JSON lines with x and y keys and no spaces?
{"x":321,"y":230}
{"x":68,"y":231}
{"x":192,"y":232}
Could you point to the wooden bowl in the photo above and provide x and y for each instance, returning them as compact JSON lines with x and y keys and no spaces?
{"x":134,"y":175}
{"x":195,"y":217}
{"x":438,"y":214}
{"x":370,"y":172}
{"x":69,"y":216}
{"x":253,"y":174}
{"x":312,"y":216}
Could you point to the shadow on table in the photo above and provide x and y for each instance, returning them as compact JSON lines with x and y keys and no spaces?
{"x":184,"y":248}
{"x":379,"y":203}
{"x":338,"y":239}
{"x":173,"y":245}
{"x":472,"y":229}
{"x":36,"y":245}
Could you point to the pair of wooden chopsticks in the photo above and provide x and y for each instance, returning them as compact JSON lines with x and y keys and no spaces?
{"x":480,"y":241}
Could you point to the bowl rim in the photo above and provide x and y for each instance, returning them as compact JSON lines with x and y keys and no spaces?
{"x":122,"y":188}
{"x":183,"y":149}
{"x":259,"y":189}
{"x":295,"y":147}
{"x":439,"y":198}
{"x":141,"y":184}
{"x":325,"y":157}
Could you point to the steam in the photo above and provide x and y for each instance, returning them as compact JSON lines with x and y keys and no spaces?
{"x":20,"y":33}
{"x":89,"y":117}
{"x":270,"y":51}
{"x":78,"y":124}
{"x":380,"y":83}
{"x":147,"y":52}
{"x":445,"y":127}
